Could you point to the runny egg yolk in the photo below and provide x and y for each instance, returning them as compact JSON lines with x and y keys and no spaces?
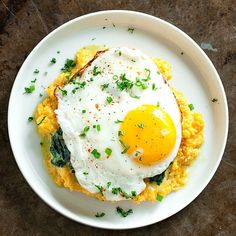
{"x":147,"y":134}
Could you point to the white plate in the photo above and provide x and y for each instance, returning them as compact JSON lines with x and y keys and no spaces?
{"x":193,"y":73}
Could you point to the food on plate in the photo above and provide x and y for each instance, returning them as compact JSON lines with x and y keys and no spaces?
{"x":113,"y":128}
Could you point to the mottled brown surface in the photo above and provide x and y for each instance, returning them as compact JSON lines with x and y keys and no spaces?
{"x":24,"y":23}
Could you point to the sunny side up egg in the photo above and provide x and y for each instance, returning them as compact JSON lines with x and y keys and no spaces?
{"x":120,"y":122}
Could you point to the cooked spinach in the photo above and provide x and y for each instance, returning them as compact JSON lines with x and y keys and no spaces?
{"x":158,"y":178}
{"x":58,"y":149}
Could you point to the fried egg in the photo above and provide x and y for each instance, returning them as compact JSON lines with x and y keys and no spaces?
{"x":120,"y":122}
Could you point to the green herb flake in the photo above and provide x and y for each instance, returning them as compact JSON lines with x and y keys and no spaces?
{"x":115,"y":77}
{"x":104,"y":86}
{"x":191,"y":107}
{"x":40,"y":95}
{"x":36,"y":71}
{"x":69,"y":65}
{"x":118,"y":121}
{"x":140,"y":84}
{"x":122,"y":212}
{"x":120,"y":133}
{"x":83,"y":111}
{"x":158,"y":104}
{"x":100,"y":188}
{"x":214,"y":100}
{"x":45,"y":73}
{"x":109,"y":100}
{"x":96,"y":154}
{"x":154,"y":87}
{"x":159,"y":198}
{"x":116,"y":190}
{"x":133,"y":60}
{"x":85,"y":173}
{"x":33,"y":81}
{"x":53,"y":60}
{"x":58,"y":52}
{"x":85,"y":130}
{"x":108,"y":151}
{"x":148,"y":74}
{"x":98,"y":128}
{"x":96,"y":70}
{"x":141,"y":125}
{"x":108,"y":184}
{"x":40,"y":122}
{"x":134,"y":96}
{"x":124,"y":83}
{"x":134,"y":193}
{"x":63,"y":92}
{"x":100,"y":214}
{"x":125,"y":146}
{"x":158,"y":72}
{"x":29,"y":89}
{"x":131,"y":30}
{"x":31,"y":118}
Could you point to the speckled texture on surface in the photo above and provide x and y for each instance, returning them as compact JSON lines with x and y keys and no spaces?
{"x":23,"y":23}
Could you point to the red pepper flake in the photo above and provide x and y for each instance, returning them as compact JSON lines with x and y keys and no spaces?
{"x":89,"y":150}
{"x":97,"y":106}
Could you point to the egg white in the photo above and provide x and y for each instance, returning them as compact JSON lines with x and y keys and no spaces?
{"x":119,"y":169}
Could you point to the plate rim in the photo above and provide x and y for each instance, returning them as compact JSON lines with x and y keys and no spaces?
{"x":66,"y":212}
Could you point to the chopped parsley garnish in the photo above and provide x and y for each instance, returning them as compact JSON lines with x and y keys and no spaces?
{"x":100,"y":214}
{"x":133,"y":193}
{"x":109,"y":99}
{"x":122,"y":212}
{"x":191,"y":107}
{"x":96,"y":70}
{"x":58,"y":52}
{"x":120,"y":133}
{"x":134,"y":96}
{"x":29,"y":89}
{"x":116,"y":190}
{"x":104,"y":86}
{"x":140,"y":84}
{"x":63,"y":92}
{"x":96,"y":154}
{"x":125,"y":146}
{"x":36,"y":71}
{"x":118,"y":121}
{"x":154,"y":87}
{"x":131,"y":30}
{"x":91,"y":79}
{"x":141,"y":125}
{"x":85,"y":173}
{"x":53,"y":60}
{"x":159,"y":198}
{"x":85,"y":130}
{"x":108,"y":184}
{"x":33,"y":81}
{"x":214,"y":100}
{"x":83,"y":111}
{"x":30,"y":118}
{"x":124,"y":83}
{"x":108,"y":151}
{"x":40,"y":122}
{"x":69,"y":65}
{"x":98,"y":127}
{"x":100,"y":188}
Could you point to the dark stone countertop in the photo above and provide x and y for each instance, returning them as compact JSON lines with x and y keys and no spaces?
{"x":23,"y":23}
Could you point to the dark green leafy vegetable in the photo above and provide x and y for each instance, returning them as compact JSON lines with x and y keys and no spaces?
{"x":58,"y":149}
{"x":158,"y":178}
{"x":122,"y":212}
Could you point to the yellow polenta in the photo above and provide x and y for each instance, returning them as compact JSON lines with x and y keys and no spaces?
{"x":176,"y":175}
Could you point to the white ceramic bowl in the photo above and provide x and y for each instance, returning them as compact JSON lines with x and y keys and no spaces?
{"x":193,"y":74}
